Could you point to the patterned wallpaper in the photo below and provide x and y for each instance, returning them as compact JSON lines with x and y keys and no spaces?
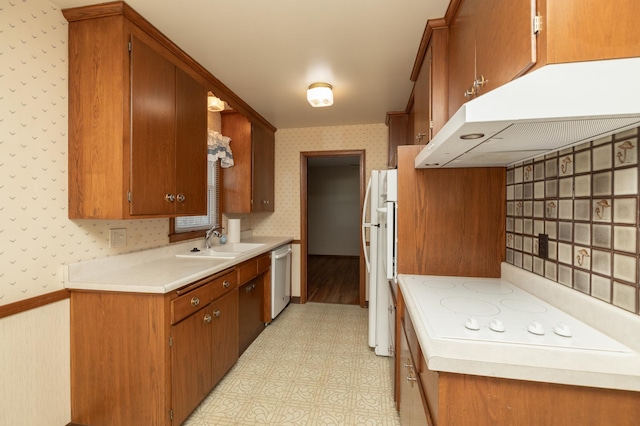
{"x":36,"y":237}
{"x":285,"y":221}
{"x":585,"y":199}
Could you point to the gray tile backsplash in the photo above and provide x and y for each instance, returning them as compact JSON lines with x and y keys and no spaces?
{"x":586,"y":200}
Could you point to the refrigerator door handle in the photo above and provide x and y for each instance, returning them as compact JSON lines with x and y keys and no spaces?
{"x":366,"y":225}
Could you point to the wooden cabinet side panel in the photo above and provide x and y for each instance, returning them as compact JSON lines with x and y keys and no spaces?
{"x":583,"y":30}
{"x":191,"y":145}
{"x":450,"y":221}
{"x":119,"y":359}
{"x":397,"y":135}
{"x":98,"y":78}
{"x":490,"y":401}
{"x":236,"y":180}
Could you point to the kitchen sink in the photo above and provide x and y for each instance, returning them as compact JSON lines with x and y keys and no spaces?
{"x":227,"y":251}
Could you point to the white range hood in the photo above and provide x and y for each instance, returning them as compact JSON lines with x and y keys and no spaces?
{"x":549,"y":109}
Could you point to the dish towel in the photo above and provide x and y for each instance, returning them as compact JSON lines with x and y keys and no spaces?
{"x":219,"y":148}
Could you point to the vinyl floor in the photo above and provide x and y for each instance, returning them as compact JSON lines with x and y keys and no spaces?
{"x":310,"y":366}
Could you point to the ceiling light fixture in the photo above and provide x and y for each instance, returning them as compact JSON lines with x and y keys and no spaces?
{"x":320,"y":95}
{"x":214,"y":103}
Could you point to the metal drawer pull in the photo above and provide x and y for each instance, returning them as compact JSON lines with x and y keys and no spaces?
{"x":216,"y":313}
{"x":170,"y":198}
{"x":207,"y":318}
{"x":181,"y":198}
{"x":195,"y":301}
{"x":226,"y":284}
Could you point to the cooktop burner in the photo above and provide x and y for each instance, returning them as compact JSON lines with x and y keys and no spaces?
{"x":494,"y":310}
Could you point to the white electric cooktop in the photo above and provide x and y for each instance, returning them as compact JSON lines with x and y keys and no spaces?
{"x":494,"y":310}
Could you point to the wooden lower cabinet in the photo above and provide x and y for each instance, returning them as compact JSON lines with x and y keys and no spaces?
{"x":429,"y":397}
{"x":413,"y":412}
{"x":250,"y":310}
{"x":150,"y":359}
{"x":204,"y":347}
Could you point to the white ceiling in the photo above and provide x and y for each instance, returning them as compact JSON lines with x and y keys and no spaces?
{"x":268,"y":52}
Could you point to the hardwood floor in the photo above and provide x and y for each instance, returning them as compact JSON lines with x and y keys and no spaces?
{"x":333,"y":279}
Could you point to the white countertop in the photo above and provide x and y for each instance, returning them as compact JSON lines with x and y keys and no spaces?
{"x":614,"y":370}
{"x":155,"y":270}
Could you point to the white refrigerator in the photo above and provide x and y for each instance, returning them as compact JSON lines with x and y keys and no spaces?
{"x":379,"y":218}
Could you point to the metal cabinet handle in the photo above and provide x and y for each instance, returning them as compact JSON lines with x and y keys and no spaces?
{"x":480,"y":82}
{"x":207,"y":318}
{"x":181,"y":198}
{"x":226,"y":284}
{"x":471,"y":92}
{"x":420,"y":136}
{"x":216,"y":313}
{"x":170,"y":198}
{"x":195,"y":301}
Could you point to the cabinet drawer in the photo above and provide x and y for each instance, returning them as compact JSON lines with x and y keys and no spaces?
{"x":190,"y":302}
{"x":223,"y":284}
{"x":264,"y":263}
{"x":247,"y":271}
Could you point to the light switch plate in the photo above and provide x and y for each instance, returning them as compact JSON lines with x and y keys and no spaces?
{"x":117,"y":237}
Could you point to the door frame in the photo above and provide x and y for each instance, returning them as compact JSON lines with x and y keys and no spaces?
{"x":304,"y":156}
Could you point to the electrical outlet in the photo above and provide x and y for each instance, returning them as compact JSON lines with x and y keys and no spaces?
{"x":117,"y":237}
{"x":543,"y":246}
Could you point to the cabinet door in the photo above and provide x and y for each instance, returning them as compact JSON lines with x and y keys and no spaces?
{"x":462,"y":52}
{"x":412,"y":409}
{"x":493,"y":39}
{"x":505,"y":42}
{"x":191,"y":366}
{"x":250,"y":315}
{"x":153,"y":129}
{"x":191,"y":145}
{"x":422,"y":101}
{"x":263,"y":169}
{"x":225,"y":334}
{"x":236,"y":180}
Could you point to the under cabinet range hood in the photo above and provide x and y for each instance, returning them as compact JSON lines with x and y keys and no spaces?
{"x":552,"y":108}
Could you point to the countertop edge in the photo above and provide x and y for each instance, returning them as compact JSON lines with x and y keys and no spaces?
{"x":83,"y":275}
{"x":618,"y":371}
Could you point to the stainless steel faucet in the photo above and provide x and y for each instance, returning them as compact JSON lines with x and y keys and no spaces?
{"x":215,"y":231}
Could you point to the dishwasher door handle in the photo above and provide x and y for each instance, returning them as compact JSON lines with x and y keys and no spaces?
{"x":282,"y":255}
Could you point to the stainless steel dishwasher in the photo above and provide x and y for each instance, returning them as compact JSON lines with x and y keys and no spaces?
{"x":280,"y":279}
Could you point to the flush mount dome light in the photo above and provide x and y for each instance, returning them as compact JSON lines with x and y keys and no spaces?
{"x":320,"y":95}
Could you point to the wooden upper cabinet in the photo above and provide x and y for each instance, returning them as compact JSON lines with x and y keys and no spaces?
{"x":585,"y":30}
{"x":430,"y":91}
{"x":191,"y":153}
{"x":248,"y":186}
{"x":491,"y":42}
{"x":137,"y":120}
{"x":397,"y":123}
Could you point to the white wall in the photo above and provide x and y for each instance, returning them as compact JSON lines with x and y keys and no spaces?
{"x":333,"y":212}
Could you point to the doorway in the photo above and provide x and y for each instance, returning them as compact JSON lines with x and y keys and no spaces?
{"x":331,"y":251}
